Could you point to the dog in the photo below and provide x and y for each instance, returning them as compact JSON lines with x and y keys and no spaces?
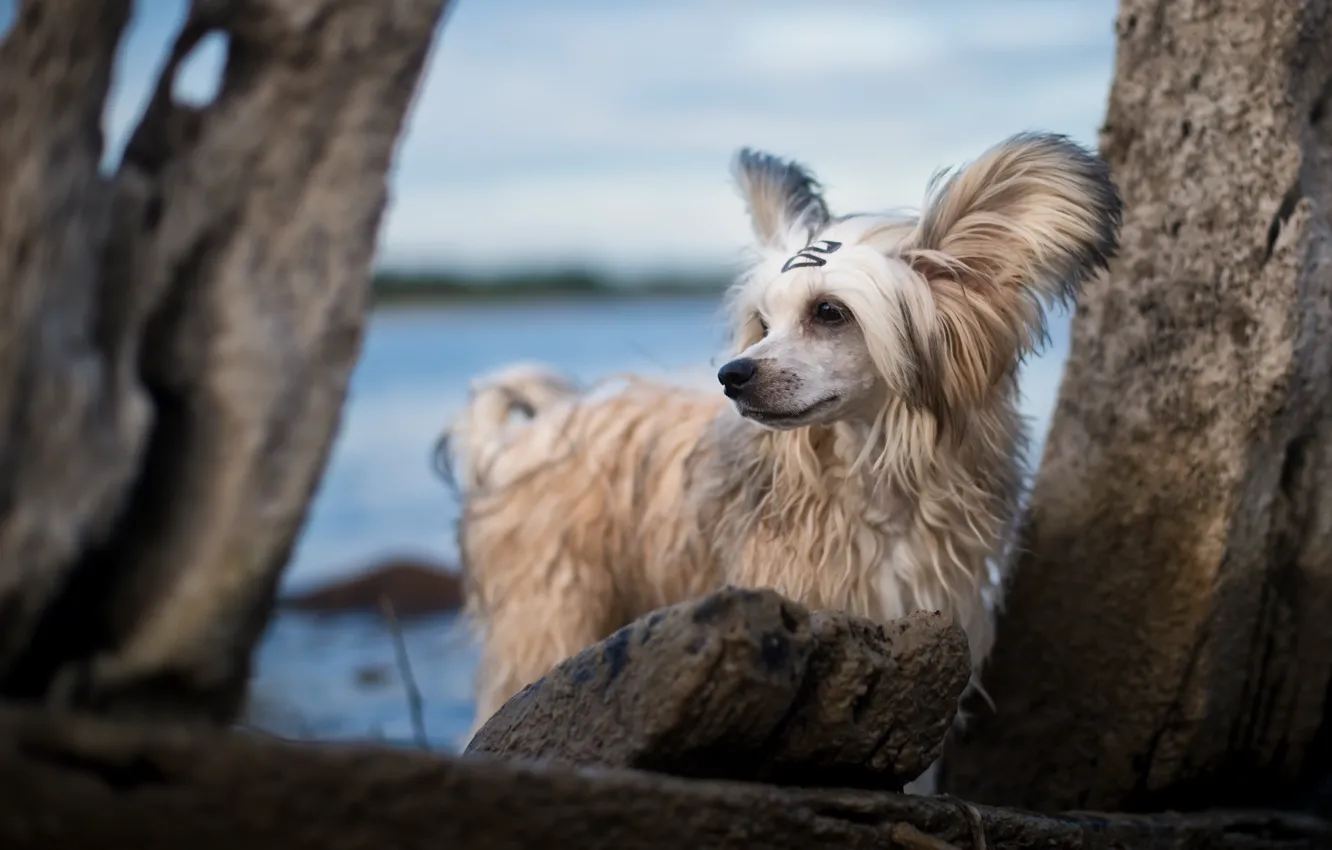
{"x":865,"y":452}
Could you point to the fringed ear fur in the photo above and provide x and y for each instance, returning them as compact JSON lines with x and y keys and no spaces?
{"x":1006,"y":237}
{"x":784,"y":199}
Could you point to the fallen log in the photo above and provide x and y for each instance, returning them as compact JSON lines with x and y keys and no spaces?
{"x":75,"y":782}
{"x":744,"y":684}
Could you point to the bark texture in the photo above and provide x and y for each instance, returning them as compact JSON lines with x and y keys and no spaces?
{"x":78,"y":783}
{"x":744,"y":684}
{"x":176,"y":338}
{"x":1167,"y":640}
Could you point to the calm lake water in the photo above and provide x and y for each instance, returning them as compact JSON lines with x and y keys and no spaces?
{"x":337,"y":677}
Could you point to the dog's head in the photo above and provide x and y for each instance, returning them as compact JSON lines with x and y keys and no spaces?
{"x":841,"y":315}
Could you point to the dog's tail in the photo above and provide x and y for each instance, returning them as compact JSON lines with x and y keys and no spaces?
{"x":498,"y":405}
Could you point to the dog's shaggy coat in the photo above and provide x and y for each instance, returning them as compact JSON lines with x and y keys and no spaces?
{"x":871,"y":455}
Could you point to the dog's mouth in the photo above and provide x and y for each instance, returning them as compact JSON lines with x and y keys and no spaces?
{"x":785,"y":419}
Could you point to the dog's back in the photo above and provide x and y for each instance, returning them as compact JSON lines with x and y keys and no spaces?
{"x":498,"y":406}
{"x":573,"y":521}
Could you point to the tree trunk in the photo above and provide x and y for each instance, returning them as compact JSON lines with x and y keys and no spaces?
{"x":1167,"y":640}
{"x":175,"y":340}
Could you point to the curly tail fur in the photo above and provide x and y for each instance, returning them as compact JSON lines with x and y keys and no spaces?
{"x":497,"y":406}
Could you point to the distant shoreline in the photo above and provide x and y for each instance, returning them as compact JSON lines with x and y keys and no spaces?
{"x":397,"y":288}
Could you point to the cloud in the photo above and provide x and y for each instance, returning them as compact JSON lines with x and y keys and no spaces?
{"x":657,"y":194}
{"x":600,"y":132}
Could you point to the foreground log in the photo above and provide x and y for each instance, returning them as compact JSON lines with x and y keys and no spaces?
{"x":1167,"y":638}
{"x":77,"y":783}
{"x":176,"y":341}
{"x":743,"y":684}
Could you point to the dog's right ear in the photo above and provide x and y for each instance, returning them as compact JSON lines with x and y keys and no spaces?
{"x":1006,"y":237}
{"x":784,"y":199}
{"x":1023,"y":226}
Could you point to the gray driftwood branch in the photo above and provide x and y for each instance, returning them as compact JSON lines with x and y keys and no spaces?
{"x":176,"y":337}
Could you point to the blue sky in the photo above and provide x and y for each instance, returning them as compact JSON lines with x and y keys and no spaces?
{"x":599,"y":132}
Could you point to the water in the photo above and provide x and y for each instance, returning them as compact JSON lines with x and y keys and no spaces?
{"x":337,"y":677}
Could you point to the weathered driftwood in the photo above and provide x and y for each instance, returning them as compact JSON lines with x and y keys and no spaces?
{"x":175,"y":340}
{"x":78,"y":783}
{"x":1167,"y":639}
{"x":744,"y":684}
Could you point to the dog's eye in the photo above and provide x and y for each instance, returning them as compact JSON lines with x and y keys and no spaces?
{"x":763,"y":326}
{"x":828,"y":313}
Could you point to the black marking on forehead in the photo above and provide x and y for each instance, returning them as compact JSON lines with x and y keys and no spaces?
{"x":809,"y":255}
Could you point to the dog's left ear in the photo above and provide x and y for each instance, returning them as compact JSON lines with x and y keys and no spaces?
{"x":785,"y":200}
{"x":1020,"y":228}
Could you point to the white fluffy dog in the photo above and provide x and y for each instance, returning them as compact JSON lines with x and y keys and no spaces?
{"x":870,"y":457}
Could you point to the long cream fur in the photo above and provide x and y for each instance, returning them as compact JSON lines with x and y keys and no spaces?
{"x":873,"y":464}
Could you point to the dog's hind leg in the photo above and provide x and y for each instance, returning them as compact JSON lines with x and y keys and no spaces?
{"x":527,"y":635}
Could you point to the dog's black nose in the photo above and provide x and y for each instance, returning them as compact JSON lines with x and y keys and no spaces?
{"x":736,"y":374}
